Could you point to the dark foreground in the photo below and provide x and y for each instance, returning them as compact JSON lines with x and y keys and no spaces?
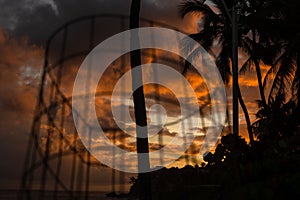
{"x":13,"y":195}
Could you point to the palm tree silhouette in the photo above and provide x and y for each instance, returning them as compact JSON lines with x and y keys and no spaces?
{"x":287,"y":37}
{"x":274,"y":121}
{"x":218,"y":27}
{"x":139,"y":104}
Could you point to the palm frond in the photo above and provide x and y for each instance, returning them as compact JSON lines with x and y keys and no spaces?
{"x":246,"y":66}
{"x":296,"y":84}
{"x":271,"y":72}
{"x":203,"y":38}
{"x":223,"y":64}
{"x":192,"y":56}
{"x":269,"y":53}
{"x":285,"y":74}
{"x":192,"y":6}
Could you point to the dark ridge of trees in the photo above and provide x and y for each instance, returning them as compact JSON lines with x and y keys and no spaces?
{"x":268,"y":171}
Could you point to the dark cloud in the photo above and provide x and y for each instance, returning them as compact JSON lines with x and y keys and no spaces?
{"x":38,"y":19}
{"x":13,"y":11}
{"x":18,"y":92}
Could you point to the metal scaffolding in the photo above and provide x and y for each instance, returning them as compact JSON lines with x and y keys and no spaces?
{"x":57,"y":166}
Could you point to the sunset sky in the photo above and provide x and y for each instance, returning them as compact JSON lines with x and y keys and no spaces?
{"x":25,"y":26}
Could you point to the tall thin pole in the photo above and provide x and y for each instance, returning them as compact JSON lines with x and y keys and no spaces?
{"x":139,"y":104}
{"x":235,"y":102}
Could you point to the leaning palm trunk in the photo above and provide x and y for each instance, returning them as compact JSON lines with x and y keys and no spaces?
{"x":259,"y":75}
{"x":260,"y":84}
{"x":246,"y":114}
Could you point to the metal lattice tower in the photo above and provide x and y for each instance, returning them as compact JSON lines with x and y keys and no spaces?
{"x":56,"y":160}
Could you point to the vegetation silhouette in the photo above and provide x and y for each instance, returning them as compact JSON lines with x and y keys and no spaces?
{"x":267,"y":167}
{"x":236,"y":170}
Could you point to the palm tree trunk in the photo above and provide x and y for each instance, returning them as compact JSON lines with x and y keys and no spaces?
{"x":246,"y":114}
{"x":235,"y":82}
{"x":258,"y":74}
{"x":139,"y":105}
{"x":260,"y":84}
{"x":138,"y":95}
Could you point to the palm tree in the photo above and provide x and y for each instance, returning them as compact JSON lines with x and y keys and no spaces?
{"x":251,"y":39}
{"x":139,"y":104}
{"x":218,"y":26}
{"x":274,"y":121}
{"x":287,"y":35}
{"x":276,"y":24}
